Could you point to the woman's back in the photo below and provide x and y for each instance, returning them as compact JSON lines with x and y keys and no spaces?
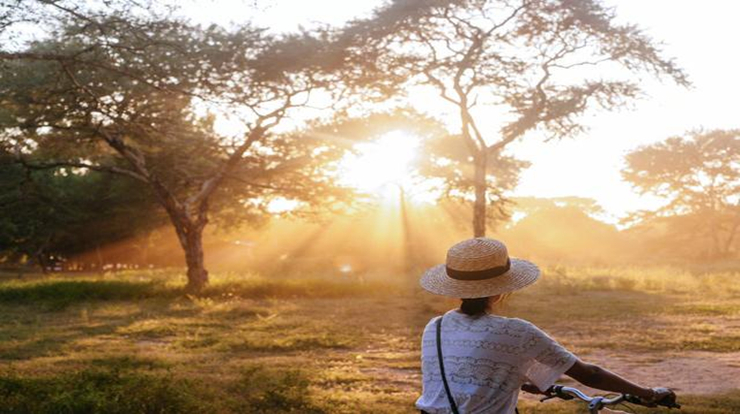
{"x":487,"y":358}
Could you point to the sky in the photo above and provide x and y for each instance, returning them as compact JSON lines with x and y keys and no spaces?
{"x":701,"y":36}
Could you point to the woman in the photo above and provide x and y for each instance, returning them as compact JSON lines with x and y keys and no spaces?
{"x":488,"y":358}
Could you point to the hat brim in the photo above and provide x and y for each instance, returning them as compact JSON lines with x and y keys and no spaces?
{"x":521,"y":274}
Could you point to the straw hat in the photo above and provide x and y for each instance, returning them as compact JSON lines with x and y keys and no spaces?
{"x":478,"y":268}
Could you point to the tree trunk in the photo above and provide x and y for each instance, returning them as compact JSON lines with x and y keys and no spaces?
{"x":479,"y":206}
{"x":731,"y":237}
{"x":190,"y":235}
{"x":99,"y":256}
{"x":41,"y":260}
{"x":714,"y":230}
{"x":197,"y":273}
{"x":409,"y":259}
{"x":189,"y":222}
{"x":191,"y":240}
{"x":41,"y":257}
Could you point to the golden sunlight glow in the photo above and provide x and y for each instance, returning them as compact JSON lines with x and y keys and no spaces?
{"x":383,"y":166}
{"x":559,"y":169}
{"x":281,"y":205}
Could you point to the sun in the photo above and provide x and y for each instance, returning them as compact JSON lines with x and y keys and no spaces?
{"x":382,"y":166}
{"x":385,"y":168}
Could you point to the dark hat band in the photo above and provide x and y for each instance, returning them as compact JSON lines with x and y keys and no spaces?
{"x":479,"y":274}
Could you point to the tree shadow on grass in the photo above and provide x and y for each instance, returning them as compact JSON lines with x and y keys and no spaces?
{"x":42,"y":318}
{"x":26,"y":333}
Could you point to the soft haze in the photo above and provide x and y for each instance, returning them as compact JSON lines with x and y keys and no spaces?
{"x":702,"y":39}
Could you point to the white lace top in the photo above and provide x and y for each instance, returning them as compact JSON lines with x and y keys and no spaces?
{"x":486,"y":360}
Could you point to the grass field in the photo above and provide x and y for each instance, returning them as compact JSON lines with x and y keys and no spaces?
{"x":134,"y":342}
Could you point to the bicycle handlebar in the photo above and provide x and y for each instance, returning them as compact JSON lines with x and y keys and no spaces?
{"x":599,"y":402}
{"x":667,"y":402}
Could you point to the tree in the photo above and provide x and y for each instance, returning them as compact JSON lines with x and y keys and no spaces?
{"x":564,"y":229}
{"x":445,"y":160}
{"x":699,"y":177}
{"x":50,"y":215}
{"x":121,"y":89}
{"x":524,"y":65}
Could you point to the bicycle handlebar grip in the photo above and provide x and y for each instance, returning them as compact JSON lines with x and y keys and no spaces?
{"x":633,"y":399}
{"x":557,"y":391}
{"x":554,"y":389}
{"x":669,"y":401}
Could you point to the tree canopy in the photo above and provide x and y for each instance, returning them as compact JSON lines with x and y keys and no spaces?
{"x":48,"y":216}
{"x":122,"y":106}
{"x":698,"y":176}
{"x":120,"y":90}
{"x":505,"y":68}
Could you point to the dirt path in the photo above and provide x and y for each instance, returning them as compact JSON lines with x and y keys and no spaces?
{"x":692,"y":372}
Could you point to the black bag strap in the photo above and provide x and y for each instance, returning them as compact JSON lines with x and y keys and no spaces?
{"x":453,"y":406}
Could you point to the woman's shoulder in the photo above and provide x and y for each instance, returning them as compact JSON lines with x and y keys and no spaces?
{"x":520,"y":322}
{"x":489,"y":319}
{"x":457,"y":317}
{"x":516,"y":323}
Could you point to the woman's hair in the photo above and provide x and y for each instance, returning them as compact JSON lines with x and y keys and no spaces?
{"x":475,"y":306}
{"x":479,"y":306}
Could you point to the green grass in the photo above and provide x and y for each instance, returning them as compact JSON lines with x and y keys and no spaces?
{"x":255,"y":389}
{"x":56,"y":293}
{"x":126,"y":389}
{"x":95,"y":391}
{"x":136,"y":342}
{"x":706,"y":309}
{"x":294,"y":342}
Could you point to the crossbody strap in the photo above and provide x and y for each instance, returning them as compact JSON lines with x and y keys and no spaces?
{"x":453,"y":406}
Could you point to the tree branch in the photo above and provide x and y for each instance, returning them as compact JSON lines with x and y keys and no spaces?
{"x":73,"y":164}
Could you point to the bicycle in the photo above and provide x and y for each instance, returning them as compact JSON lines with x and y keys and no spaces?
{"x":596,"y":403}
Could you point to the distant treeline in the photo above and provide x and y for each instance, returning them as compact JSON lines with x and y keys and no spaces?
{"x":567,"y":230}
{"x":99,"y":222}
{"x":67,"y":219}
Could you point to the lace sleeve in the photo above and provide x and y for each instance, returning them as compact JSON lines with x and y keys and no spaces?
{"x":548,"y":359}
